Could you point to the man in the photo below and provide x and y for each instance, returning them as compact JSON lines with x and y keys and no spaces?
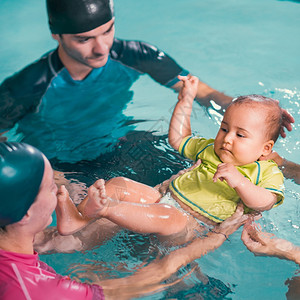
{"x":69,"y":103}
{"x":28,"y":199}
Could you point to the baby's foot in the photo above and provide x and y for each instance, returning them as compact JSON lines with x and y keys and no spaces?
{"x":97,"y":202}
{"x":69,"y":219}
{"x":62,"y":195}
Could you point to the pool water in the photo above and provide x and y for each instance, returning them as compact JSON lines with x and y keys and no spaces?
{"x":239,"y":47}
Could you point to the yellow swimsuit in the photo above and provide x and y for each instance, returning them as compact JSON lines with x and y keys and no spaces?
{"x":217,"y":200}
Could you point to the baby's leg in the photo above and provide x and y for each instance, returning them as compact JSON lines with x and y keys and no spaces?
{"x":124,"y":189}
{"x":69,"y":219}
{"x":143,"y":218}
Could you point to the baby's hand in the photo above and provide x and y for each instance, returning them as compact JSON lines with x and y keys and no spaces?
{"x":228,"y":172}
{"x":189,"y":88}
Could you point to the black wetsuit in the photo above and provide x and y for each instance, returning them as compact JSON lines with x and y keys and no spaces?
{"x":74,"y":120}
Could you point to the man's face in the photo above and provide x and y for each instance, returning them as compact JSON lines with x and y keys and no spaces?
{"x":90,"y":48}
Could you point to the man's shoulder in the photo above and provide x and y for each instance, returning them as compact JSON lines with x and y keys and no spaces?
{"x":146,"y":58}
{"x":35,"y":77}
{"x":133,"y":53}
{"x":121,"y":46}
{"x":22,"y":92}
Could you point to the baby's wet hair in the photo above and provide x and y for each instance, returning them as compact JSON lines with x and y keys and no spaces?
{"x":271,"y":108}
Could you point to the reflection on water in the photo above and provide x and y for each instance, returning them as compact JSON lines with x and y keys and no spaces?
{"x":139,"y":155}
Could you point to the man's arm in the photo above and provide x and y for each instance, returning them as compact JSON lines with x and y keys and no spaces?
{"x":2,"y":137}
{"x":289,"y":169}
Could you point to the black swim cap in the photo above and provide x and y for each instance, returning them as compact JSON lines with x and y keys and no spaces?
{"x":21,"y":173}
{"x":77,"y":16}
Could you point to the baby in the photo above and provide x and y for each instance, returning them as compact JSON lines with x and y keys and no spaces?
{"x":230,"y":171}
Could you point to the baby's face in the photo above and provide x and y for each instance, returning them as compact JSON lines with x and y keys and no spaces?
{"x":241,"y":138}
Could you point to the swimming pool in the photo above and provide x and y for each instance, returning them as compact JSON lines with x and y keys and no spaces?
{"x":238,"y":47}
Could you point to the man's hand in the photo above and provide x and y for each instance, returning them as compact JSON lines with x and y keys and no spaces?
{"x":287,"y":120}
{"x":234,"y":222}
{"x":264,"y":244}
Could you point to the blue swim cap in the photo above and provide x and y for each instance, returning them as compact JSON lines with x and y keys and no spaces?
{"x":21,"y":173}
{"x":77,"y":16}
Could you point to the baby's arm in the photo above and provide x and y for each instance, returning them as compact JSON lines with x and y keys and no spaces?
{"x":180,"y":124}
{"x":253,"y":196}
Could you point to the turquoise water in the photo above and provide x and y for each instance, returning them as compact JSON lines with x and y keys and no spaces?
{"x":238,"y":47}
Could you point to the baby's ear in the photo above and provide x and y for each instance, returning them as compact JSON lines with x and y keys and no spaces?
{"x":267,"y":148}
